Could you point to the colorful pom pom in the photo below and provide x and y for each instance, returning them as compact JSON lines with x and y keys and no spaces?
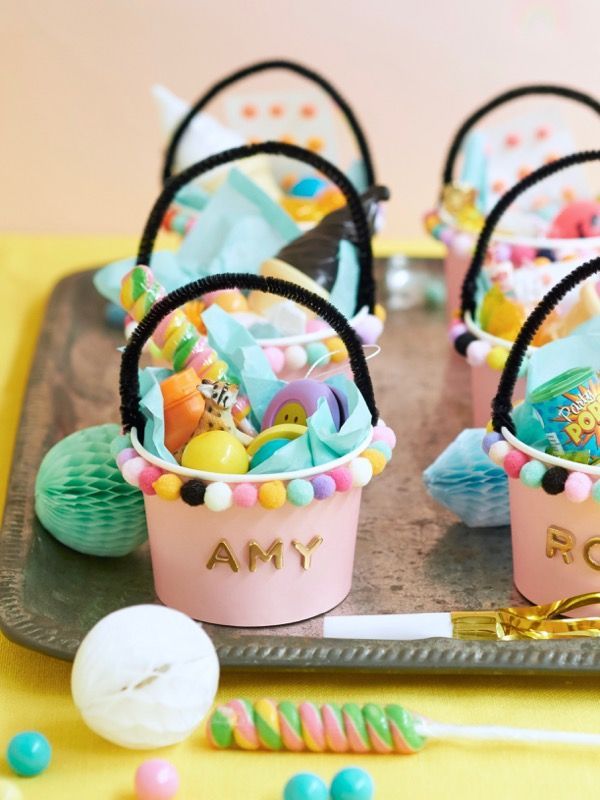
{"x":132,"y":469}
{"x":272,"y":494}
{"x":498,"y":452}
{"x":245,"y":495}
{"x":596,"y":492}
{"x":477,"y":352}
{"x":317,"y":351}
{"x":218,"y":496}
{"x":456,"y":329}
{"x":147,"y":479}
{"x":168,"y":486}
{"x":295,"y":357}
{"x":489,"y":439}
{"x":554,"y":479}
{"x":377,"y":459}
{"x":337,"y":349}
{"x":121,"y":442}
{"x":342,"y":476}
{"x":276,"y":358}
{"x":362,"y":471}
{"x":300,"y":492}
{"x":368,"y":328}
{"x":463,"y":341}
{"x":578,"y":487}
{"x":125,"y":455}
{"x":193,"y":492}
{"x":382,"y":433}
{"x":380,"y":312}
{"x":532,"y":473}
{"x":496,"y":358}
{"x":323,"y":486}
{"x":514,"y":462}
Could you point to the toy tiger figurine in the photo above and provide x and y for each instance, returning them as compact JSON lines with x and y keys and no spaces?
{"x":220,"y":398}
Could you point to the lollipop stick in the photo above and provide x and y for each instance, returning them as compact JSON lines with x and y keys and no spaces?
{"x":500,"y":733}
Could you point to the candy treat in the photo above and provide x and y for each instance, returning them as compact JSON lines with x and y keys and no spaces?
{"x":156,"y":779}
{"x":28,"y":753}
{"x":145,"y":677}
{"x":82,"y":499}
{"x":350,"y":728}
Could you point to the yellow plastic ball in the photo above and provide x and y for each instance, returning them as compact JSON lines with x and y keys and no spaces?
{"x":216,"y":451}
{"x":337,"y":348}
{"x":380,"y":312}
{"x":168,"y":486}
{"x":272,"y":494}
{"x":377,"y":460}
{"x":496,"y":358}
{"x":232,"y":301}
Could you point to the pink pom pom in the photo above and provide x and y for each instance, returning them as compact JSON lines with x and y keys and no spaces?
{"x":276,"y":358}
{"x":147,"y":478}
{"x":342,"y":477}
{"x":578,"y":487}
{"x":132,"y":469}
{"x":368,"y":328}
{"x":316,"y":325}
{"x":245,"y":495}
{"x":125,"y":455}
{"x":381,"y":433}
{"x":477,"y":352}
{"x":447,"y":236}
{"x":463,"y":244}
{"x":513,"y":463}
{"x":456,"y":330}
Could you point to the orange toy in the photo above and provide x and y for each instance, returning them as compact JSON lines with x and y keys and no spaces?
{"x":184,"y":405}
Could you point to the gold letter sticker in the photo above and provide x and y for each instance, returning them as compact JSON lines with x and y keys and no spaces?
{"x":560,"y":540}
{"x":223,"y":554}
{"x":306,"y":550}
{"x":274,"y":552}
{"x":587,"y":554}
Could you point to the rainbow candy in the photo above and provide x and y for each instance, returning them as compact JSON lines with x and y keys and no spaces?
{"x":330,"y":728}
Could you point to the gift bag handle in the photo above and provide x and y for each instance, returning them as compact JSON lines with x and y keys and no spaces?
{"x":262,"y":66}
{"x":366,"y":283}
{"x":129,"y":387}
{"x":470,"y":282}
{"x":502,"y":402}
{"x":501,"y":99}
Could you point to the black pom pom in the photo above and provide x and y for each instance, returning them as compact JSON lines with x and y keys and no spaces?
{"x":463,"y":341}
{"x":192,"y":492}
{"x":554,"y":480}
{"x":544,"y":252}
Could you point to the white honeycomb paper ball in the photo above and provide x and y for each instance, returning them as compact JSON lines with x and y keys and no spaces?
{"x":145,"y":677}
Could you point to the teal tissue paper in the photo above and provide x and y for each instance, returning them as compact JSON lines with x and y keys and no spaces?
{"x":466,"y":481}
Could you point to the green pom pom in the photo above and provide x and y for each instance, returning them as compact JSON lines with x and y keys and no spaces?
{"x":300,"y":492}
{"x":120,"y":442}
{"x":315,"y":351}
{"x":82,"y":499}
{"x":383,"y":447}
{"x":596,"y":491}
{"x":532,"y":473}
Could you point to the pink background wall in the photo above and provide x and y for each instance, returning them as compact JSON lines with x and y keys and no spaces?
{"x":80,"y":139}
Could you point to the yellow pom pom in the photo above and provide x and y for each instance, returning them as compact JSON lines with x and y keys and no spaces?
{"x":377,"y":460}
{"x":496,"y":358}
{"x":272,"y":494}
{"x":380,"y":312}
{"x":168,"y":486}
{"x":489,"y":427}
{"x":337,"y":348}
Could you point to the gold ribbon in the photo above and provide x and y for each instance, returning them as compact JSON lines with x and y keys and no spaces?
{"x":530,"y":622}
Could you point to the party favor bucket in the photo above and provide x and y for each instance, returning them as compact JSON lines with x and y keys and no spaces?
{"x":554,"y":510}
{"x":456,"y":221}
{"x":318,"y":347}
{"x":248,"y":550}
{"x":486,"y":351}
{"x":308,"y":203}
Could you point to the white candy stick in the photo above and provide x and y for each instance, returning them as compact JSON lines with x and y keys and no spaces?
{"x":389,"y":626}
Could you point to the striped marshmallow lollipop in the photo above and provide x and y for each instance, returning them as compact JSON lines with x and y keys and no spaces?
{"x":329,"y":728}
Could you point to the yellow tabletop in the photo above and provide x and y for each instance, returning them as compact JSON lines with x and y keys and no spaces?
{"x":34,"y":689}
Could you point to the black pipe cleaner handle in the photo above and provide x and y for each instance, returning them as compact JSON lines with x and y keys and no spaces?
{"x":470,"y":282}
{"x":129,"y":387}
{"x":366,"y":283}
{"x":501,"y":99}
{"x":262,"y":66}
{"x":502,"y":402}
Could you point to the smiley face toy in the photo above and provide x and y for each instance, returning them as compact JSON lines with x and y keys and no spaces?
{"x":299,"y":400}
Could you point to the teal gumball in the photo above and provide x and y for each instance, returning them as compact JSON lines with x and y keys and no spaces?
{"x":305,"y":786}
{"x":28,"y":753}
{"x":352,"y":783}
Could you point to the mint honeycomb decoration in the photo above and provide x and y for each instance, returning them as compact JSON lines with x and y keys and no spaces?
{"x":82,"y":499}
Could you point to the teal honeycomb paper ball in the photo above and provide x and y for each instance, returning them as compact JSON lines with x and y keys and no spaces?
{"x":82,"y":499}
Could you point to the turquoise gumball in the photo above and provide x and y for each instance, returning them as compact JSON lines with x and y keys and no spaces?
{"x":28,"y":753}
{"x":352,"y":783}
{"x":305,"y":786}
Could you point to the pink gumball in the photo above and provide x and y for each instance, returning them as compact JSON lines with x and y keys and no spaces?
{"x":276,"y":358}
{"x":156,"y":779}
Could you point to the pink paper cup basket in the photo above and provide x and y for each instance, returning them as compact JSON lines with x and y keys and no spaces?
{"x":442,"y":225}
{"x":251,"y":563}
{"x":486,"y":354}
{"x":555,"y":527}
{"x":291,"y":356}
